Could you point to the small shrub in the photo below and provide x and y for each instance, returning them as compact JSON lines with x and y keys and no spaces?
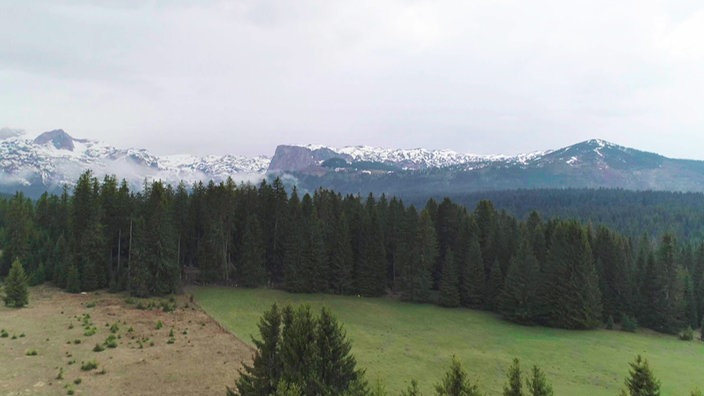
{"x":171,"y":340}
{"x":167,"y":306}
{"x":90,"y":304}
{"x":130,"y":301}
{"x":89,"y":332}
{"x":98,"y":348}
{"x":70,"y":326}
{"x":628,"y":323}
{"x":687,"y":334}
{"x":60,"y":375}
{"x":114,"y":328}
{"x":140,"y":305}
{"x":76,"y":341}
{"x":31,"y":352}
{"x":171,"y":332}
{"x":89,"y":365}
{"x":159,"y":325}
{"x":77,"y":381}
{"x":102,"y":372}
{"x":22,"y":335}
{"x":14,"y":337}
{"x":4,"y":333}
{"x":130,"y":330}
{"x":72,"y":361}
{"x":70,"y":391}
{"x":111,"y":341}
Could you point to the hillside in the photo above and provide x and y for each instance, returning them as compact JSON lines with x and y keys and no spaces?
{"x":398,"y":341}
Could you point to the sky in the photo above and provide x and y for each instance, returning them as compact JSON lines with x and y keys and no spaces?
{"x":240,"y":77}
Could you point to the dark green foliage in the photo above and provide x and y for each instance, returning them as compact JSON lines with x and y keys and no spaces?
{"x":687,"y":334}
{"x":252,"y":272}
{"x":449,"y":284}
{"x":537,"y":384}
{"x":16,"y":293}
{"x":303,"y":354}
{"x":514,"y":385}
{"x":610,"y":323}
{"x":570,"y":287}
{"x":641,"y":381}
{"x":518,"y":301}
{"x":262,"y":377}
{"x":421,"y":253}
{"x":456,"y":382}
{"x":412,"y":389}
{"x":555,"y":273}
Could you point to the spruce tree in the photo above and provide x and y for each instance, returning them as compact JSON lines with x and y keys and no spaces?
{"x":336,"y":372}
{"x":641,"y":381}
{"x":456,"y":382}
{"x":537,"y":384}
{"x":571,"y":282}
{"x":263,"y":376}
{"x":412,"y":389}
{"x":422,"y":251}
{"x":252,"y":272}
{"x":519,"y":297}
{"x":514,"y":385}
{"x":473,"y":276}
{"x":73,"y":282}
{"x":494,"y":286}
{"x":449,"y":284}
{"x":16,"y":292}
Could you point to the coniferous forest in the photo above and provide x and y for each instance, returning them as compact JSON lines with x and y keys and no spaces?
{"x":550,"y":272}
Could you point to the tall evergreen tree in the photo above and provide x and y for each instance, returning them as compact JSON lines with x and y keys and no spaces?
{"x":416,"y":278}
{"x":473,"y":275}
{"x":537,"y":384}
{"x":514,"y":387}
{"x":16,"y":292}
{"x":518,"y":301}
{"x":337,"y":371}
{"x":449,"y":284}
{"x":641,"y":381}
{"x":456,"y":382}
{"x":571,"y":285}
{"x":263,"y":376}
{"x":252,"y":271}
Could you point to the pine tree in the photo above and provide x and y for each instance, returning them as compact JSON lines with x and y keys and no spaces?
{"x":494,"y":286}
{"x":456,"y":382}
{"x":265,"y":373}
{"x":537,"y":384}
{"x":449,"y":284}
{"x":73,"y":282}
{"x":421,"y":252}
{"x":519,"y":297}
{"x":571,"y":282}
{"x":473,"y":275}
{"x":252,"y":272}
{"x":641,"y":381}
{"x":514,"y":385}
{"x":299,"y":349}
{"x":337,"y":370}
{"x":16,"y":293}
{"x":412,"y":389}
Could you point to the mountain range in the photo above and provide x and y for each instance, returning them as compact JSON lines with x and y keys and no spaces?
{"x":55,"y":158}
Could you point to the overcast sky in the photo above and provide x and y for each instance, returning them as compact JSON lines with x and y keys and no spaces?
{"x":240,"y":77}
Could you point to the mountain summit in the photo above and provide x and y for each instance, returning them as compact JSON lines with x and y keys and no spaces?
{"x":58,"y":138}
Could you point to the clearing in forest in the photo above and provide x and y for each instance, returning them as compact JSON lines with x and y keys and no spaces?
{"x":164,"y":346}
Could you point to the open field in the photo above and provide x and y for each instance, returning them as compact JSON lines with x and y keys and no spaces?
{"x":398,"y":341}
{"x":201,"y":359}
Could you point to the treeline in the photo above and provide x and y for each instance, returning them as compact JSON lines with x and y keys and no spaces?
{"x":549,"y":272}
{"x":631,"y":213}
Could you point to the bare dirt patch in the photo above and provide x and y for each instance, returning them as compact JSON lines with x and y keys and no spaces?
{"x":183,"y":352}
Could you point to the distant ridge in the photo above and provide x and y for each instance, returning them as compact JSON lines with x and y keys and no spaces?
{"x":55,"y":158}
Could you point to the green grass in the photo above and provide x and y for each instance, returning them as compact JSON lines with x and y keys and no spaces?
{"x":398,"y":341}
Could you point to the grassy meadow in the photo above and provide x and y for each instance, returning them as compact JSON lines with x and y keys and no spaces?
{"x":398,"y":341}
